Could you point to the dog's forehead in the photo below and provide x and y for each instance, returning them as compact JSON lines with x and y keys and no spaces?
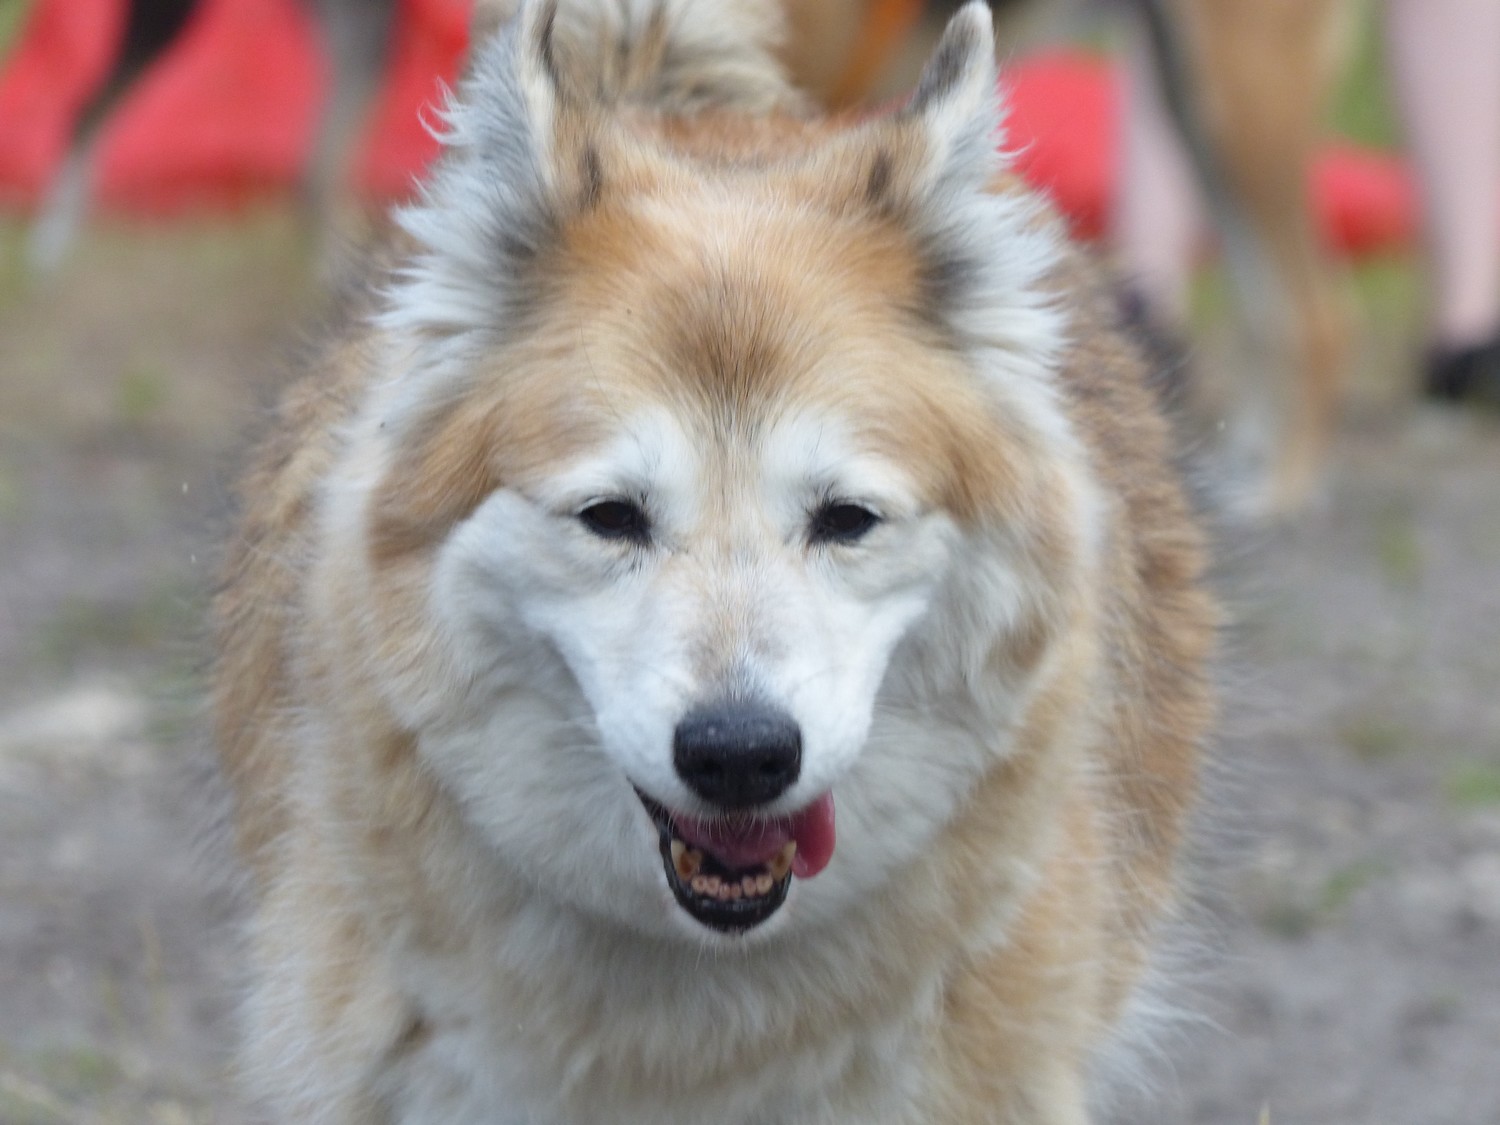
{"x":735,"y":314}
{"x":792,"y":450}
{"x":729,"y":315}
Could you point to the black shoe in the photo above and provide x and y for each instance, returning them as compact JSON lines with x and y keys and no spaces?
{"x":1465,"y":375}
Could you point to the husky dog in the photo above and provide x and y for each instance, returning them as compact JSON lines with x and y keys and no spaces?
{"x":718,"y":638}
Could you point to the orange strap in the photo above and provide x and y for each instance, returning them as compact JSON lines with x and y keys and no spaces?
{"x":886,"y":25}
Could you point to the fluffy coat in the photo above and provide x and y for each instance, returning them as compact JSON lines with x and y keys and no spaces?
{"x":644,"y":270}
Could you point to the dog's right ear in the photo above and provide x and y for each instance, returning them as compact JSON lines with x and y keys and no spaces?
{"x":520,"y":157}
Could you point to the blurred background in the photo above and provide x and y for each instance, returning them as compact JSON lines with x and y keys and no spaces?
{"x":181,"y":183}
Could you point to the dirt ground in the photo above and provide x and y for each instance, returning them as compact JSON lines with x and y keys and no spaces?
{"x":1351,"y":970}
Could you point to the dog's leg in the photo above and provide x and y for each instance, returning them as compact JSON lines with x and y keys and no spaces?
{"x":151,"y":26}
{"x":1266,"y":71}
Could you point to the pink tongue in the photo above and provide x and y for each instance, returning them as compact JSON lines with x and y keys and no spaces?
{"x":756,"y":842}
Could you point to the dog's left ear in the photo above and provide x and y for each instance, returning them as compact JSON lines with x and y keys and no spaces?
{"x":927,"y":161}
{"x":956,"y":106}
{"x":933,"y":168}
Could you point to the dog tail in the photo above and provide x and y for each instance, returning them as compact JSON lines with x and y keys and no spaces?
{"x":678,"y":56}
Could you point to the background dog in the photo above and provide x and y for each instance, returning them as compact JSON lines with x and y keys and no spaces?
{"x":356,"y":35}
{"x":698,"y":467}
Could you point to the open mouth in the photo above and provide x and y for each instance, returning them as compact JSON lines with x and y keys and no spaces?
{"x":733,"y":873}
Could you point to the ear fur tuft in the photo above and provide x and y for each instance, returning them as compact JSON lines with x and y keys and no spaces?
{"x":985,"y":253}
{"x":957,"y":102}
{"x":963,"y":63}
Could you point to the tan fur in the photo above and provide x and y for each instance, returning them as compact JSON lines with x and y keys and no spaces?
{"x":1037,"y":909}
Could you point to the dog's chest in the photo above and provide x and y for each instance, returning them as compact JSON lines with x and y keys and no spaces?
{"x":475,"y":1066}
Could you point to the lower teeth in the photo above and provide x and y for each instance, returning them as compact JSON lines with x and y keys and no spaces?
{"x":688,"y":863}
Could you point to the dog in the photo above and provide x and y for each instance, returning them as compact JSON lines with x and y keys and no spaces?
{"x":718,"y":634}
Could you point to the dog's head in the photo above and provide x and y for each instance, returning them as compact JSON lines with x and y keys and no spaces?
{"x":719,"y":485}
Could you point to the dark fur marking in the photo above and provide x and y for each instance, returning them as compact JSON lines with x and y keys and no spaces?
{"x":944,"y":276}
{"x":517,"y":249}
{"x":544,"y":44}
{"x":413,"y":1036}
{"x":879,"y":182}
{"x":945,"y":70}
{"x":592,"y":172}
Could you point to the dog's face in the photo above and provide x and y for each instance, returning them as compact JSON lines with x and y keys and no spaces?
{"x":720,"y":535}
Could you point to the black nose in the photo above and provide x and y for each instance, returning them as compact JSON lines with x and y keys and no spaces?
{"x":737,"y":754}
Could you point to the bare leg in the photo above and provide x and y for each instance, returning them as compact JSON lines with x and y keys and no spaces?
{"x":1445,"y":61}
{"x":1158,"y":218}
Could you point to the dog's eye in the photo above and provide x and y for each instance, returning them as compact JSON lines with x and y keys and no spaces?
{"x":841,"y":523}
{"x":617,"y":519}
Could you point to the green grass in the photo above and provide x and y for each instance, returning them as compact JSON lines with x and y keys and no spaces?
{"x":142,"y":392}
{"x":1340,"y":887}
{"x":1474,"y":784}
{"x":1293,"y":911}
{"x":85,"y":1085}
{"x":154,"y":622}
{"x":84,"y":1072}
{"x":1374,"y":738}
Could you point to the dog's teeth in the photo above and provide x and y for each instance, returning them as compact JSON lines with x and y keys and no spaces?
{"x":689,"y":861}
{"x":686,"y":861}
{"x":782,"y":862}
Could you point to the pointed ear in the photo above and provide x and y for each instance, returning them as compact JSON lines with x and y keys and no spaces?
{"x":943,"y":148}
{"x":516,"y":95}
{"x":520,"y":157}
{"x":957,"y":104}
{"x":984,"y":250}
